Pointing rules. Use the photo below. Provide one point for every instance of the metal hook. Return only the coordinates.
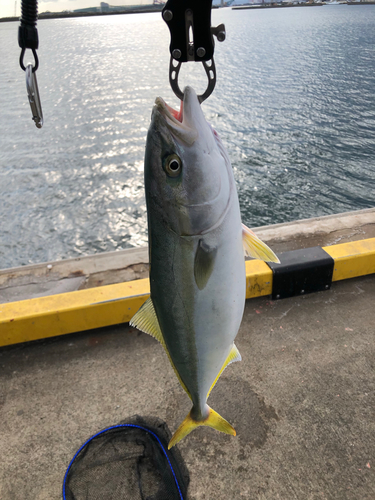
(174, 71)
(33, 95)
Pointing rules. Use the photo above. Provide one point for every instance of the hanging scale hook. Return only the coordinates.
(189, 23)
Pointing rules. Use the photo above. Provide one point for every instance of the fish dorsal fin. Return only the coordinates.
(203, 264)
(254, 247)
(233, 356)
(147, 321)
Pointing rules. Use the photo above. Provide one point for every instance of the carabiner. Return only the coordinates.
(33, 95)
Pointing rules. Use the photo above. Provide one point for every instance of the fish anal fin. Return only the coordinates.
(203, 264)
(147, 321)
(233, 356)
(213, 420)
(254, 247)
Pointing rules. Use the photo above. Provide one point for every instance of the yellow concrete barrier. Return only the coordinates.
(113, 304)
(356, 258)
(71, 312)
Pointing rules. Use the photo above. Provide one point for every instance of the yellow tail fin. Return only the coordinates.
(213, 420)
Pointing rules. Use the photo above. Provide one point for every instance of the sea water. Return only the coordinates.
(294, 105)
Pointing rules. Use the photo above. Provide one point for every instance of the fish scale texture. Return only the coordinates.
(127, 462)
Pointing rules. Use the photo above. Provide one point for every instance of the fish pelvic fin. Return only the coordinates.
(254, 247)
(213, 420)
(233, 356)
(147, 321)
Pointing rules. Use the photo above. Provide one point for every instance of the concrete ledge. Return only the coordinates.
(49, 278)
(319, 231)
(37, 280)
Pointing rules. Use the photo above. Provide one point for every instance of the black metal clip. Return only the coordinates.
(189, 22)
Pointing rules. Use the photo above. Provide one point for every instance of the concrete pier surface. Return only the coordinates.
(302, 400)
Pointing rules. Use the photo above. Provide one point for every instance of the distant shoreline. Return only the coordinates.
(158, 8)
(286, 5)
(270, 6)
(64, 15)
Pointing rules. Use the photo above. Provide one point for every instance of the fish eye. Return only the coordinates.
(173, 166)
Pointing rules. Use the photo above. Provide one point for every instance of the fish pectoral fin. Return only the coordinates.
(203, 264)
(254, 247)
(145, 319)
(213, 420)
(233, 356)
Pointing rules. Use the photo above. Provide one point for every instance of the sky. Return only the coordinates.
(7, 7)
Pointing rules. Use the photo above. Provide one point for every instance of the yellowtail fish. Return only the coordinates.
(196, 250)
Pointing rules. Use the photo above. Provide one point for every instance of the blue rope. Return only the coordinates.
(116, 427)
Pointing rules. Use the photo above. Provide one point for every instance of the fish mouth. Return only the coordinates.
(181, 123)
(168, 112)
